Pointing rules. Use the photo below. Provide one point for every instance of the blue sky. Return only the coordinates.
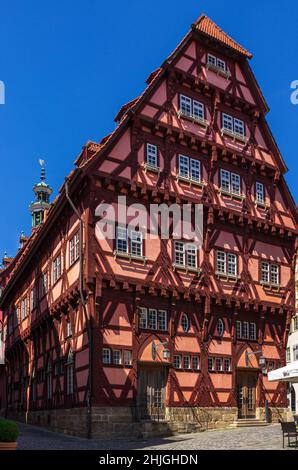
(68, 66)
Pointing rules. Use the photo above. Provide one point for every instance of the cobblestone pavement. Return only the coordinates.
(266, 438)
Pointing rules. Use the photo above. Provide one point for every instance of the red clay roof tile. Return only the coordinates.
(208, 27)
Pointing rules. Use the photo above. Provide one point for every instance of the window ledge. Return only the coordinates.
(270, 286)
(129, 256)
(194, 119)
(228, 277)
(263, 205)
(234, 136)
(187, 269)
(238, 197)
(153, 169)
(224, 73)
(191, 181)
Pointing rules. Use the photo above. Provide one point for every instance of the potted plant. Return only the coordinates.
(9, 432)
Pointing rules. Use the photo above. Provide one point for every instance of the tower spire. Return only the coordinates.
(42, 197)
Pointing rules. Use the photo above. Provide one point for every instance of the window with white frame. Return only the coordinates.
(252, 331)
(127, 358)
(177, 361)
(245, 330)
(189, 168)
(227, 364)
(106, 356)
(269, 273)
(44, 283)
(216, 62)
(68, 329)
(260, 193)
(57, 268)
(192, 108)
(233, 125)
(230, 182)
(210, 364)
(196, 362)
(151, 155)
(24, 308)
(220, 327)
(33, 298)
(238, 329)
(69, 373)
(74, 248)
(218, 364)
(185, 254)
(132, 244)
(226, 263)
(121, 240)
(153, 319)
(136, 243)
(117, 357)
(295, 352)
(186, 362)
(185, 322)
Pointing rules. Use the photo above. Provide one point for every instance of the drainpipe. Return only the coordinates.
(83, 301)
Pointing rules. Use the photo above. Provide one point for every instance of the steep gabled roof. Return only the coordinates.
(209, 28)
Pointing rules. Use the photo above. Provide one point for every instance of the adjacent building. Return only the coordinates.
(292, 350)
(105, 337)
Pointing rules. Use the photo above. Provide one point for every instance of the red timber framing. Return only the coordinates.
(50, 369)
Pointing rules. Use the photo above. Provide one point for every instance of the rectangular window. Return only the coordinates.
(162, 320)
(265, 276)
(74, 248)
(136, 243)
(143, 318)
(186, 362)
(106, 356)
(191, 256)
(221, 64)
(183, 166)
(44, 283)
(227, 364)
(127, 358)
(211, 59)
(260, 196)
(116, 357)
(152, 319)
(234, 125)
(225, 180)
(252, 331)
(274, 275)
(238, 329)
(57, 268)
(235, 184)
(245, 330)
(295, 323)
(185, 105)
(295, 352)
(195, 170)
(68, 329)
(185, 254)
(198, 110)
(179, 253)
(288, 355)
(218, 363)
(151, 155)
(220, 262)
(216, 62)
(230, 182)
(210, 364)
(232, 264)
(192, 108)
(195, 362)
(121, 240)
(177, 361)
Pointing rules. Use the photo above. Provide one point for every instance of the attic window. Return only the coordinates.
(217, 65)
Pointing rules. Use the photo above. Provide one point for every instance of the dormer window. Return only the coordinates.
(217, 65)
(233, 127)
(193, 110)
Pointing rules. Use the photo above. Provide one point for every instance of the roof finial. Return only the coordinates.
(42, 171)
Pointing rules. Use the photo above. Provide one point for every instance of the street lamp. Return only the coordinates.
(166, 351)
(262, 359)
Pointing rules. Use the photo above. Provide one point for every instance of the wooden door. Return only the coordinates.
(151, 392)
(246, 394)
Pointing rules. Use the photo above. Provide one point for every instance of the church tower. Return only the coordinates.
(42, 198)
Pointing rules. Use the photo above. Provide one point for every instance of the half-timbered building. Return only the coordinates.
(106, 337)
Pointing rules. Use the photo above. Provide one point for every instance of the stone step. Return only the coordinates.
(246, 423)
